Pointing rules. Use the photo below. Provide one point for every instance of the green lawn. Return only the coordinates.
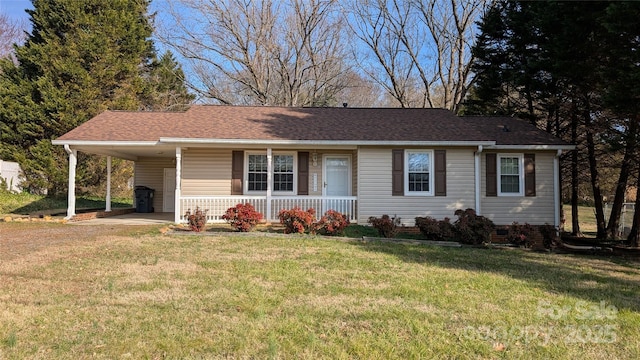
(25, 204)
(147, 295)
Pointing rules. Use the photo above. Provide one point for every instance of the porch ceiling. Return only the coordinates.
(129, 152)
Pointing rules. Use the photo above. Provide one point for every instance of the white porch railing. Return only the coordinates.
(216, 206)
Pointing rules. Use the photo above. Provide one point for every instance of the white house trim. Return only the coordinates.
(530, 147)
(478, 179)
(71, 192)
(177, 211)
(108, 196)
(556, 189)
(168, 140)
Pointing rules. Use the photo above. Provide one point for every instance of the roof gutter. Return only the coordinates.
(102, 143)
(532, 147)
(168, 140)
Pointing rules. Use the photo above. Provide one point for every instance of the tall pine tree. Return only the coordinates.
(81, 58)
(568, 67)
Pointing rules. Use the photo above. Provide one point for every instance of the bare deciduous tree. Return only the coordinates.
(419, 51)
(11, 32)
(261, 52)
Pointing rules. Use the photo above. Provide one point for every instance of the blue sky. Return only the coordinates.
(15, 8)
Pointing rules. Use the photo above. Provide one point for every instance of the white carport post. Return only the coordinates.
(177, 212)
(71, 192)
(108, 199)
(269, 185)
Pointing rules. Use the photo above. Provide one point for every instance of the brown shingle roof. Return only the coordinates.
(315, 124)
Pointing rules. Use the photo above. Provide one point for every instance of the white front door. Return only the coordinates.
(337, 175)
(169, 190)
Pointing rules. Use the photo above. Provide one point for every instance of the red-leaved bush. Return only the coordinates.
(332, 223)
(243, 217)
(387, 226)
(296, 220)
(197, 220)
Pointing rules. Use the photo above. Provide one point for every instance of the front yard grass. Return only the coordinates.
(228, 296)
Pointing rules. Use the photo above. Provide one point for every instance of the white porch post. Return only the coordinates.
(478, 179)
(556, 189)
(269, 177)
(177, 212)
(108, 199)
(71, 191)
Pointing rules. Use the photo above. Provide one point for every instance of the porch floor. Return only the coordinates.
(130, 219)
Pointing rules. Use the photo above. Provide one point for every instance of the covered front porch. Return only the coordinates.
(203, 177)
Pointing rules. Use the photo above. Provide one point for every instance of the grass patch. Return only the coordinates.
(25, 203)
(149, 296)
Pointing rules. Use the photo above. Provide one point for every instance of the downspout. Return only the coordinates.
(71, 191)
(556, 189)
(478, 177)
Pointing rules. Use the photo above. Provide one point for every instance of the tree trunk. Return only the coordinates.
(634, 235)
(575, 225)
(625, 169)
(593, 169)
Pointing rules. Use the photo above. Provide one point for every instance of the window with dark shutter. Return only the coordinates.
(237, 169)
(303, 173)
(397, 172)
(492, 175)
(529, 174)
(440, 169)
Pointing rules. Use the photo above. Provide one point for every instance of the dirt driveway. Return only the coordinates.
(21, 239)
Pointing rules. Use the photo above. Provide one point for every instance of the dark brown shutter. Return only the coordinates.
(529, 174)
(440, 166)
(492, 175)
(237, 169)
(303, 173)
(397, 172)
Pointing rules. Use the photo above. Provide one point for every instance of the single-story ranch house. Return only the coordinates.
(360, 161)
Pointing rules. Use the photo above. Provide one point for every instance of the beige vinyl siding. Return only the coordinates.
(375, 199)
(206, 172)
(535, 210)
(149, 172)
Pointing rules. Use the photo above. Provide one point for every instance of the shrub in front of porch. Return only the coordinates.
(434, 229)
(471, 228)
(196, 219)
(243, 217)
(332, 223)
(387, 226)
(296, 220)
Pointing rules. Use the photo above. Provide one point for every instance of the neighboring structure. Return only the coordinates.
(10, 175)
(360, 161)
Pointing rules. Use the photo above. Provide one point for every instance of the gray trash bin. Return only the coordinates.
(144, 199)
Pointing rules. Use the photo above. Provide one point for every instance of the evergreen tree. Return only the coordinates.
(166, 88)
(81, 58)
(558, 64)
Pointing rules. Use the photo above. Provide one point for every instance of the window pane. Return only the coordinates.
(418, 171)
(283, 173)
(283, 163)
(509, 166)
(257, 175)
(419, 162)
(510, 184)
(510, 174)
(418, 181)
